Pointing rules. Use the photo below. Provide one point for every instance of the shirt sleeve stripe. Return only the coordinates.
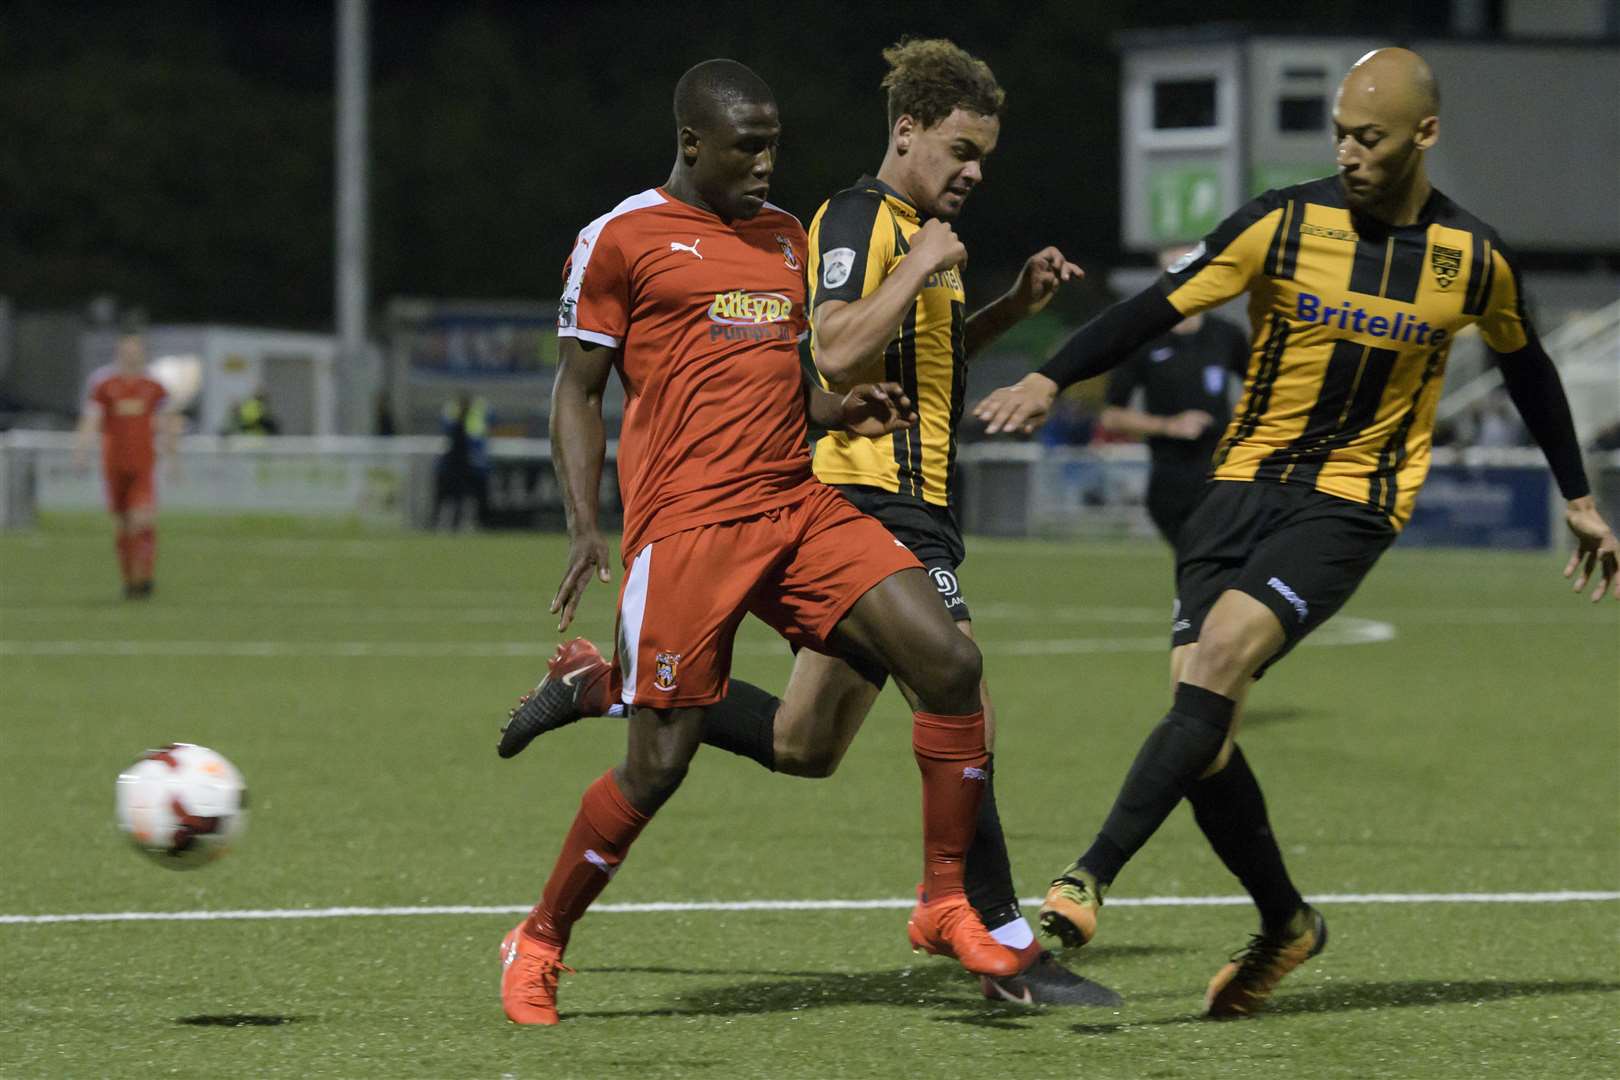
(589, 335)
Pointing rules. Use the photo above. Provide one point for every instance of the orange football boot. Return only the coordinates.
(1069, 912)
(529, 970)
(1242, 986)
(950, 927)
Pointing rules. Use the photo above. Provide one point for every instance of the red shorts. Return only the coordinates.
(798, 568)
(128, 488)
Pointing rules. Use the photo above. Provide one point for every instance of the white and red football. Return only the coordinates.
(183, 805)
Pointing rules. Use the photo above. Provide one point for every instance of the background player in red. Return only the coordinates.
(125, 406)
(695, 294)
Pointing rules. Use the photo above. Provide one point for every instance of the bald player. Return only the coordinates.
(1357, 284)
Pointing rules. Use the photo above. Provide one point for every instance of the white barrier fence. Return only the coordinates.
(1481, 497)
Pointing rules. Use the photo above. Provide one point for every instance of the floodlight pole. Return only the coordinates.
(352, 256)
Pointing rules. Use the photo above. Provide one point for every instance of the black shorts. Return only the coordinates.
(929, 531)
(1173, 492)
(1297, 551)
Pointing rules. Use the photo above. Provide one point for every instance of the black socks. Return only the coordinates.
(744, 722)
(1177, 752)
(1230, 809)
(986, 870)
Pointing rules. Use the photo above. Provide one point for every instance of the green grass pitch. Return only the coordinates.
(1455, 733)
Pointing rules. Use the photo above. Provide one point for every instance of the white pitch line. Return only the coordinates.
(1344, 631)
(659, 907)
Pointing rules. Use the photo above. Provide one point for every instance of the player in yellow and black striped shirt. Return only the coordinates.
(1357, 285)
(858, 241)
(886, 295)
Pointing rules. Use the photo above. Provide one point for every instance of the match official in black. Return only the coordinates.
(1184, 379)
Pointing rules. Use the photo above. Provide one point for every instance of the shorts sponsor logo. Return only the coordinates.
(790, 258)
(1446, 263)
(944, 581)
(1177, 623)
(1301, 608)
(1214, 380)
(836, 266)
(665, 667)
(1161, 354)
(565, 314)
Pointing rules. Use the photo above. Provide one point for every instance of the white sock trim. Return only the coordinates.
(1017, 934)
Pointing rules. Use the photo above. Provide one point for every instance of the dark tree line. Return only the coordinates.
(179, 153)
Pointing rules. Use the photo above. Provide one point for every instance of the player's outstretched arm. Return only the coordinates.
(1100, 345)
(870, 410)
(1538, 394)
(1021, 407)
(1038, 281)
(578, 447)
(1596, 550)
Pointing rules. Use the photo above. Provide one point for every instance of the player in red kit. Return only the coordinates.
(125, 405)
(695, 294)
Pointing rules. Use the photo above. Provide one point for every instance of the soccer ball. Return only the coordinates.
(183, 805)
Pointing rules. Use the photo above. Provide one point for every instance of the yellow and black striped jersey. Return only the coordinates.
(856, 239)
(1352, 322)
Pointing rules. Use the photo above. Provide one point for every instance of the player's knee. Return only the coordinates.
(809, 762)
(953, 673)
(1228, 650)
(653, 778)
(651, 783)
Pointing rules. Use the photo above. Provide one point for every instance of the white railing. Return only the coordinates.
(1586, 349)
(1010, 488)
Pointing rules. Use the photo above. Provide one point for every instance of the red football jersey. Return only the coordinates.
(707, 317)
(128, 405)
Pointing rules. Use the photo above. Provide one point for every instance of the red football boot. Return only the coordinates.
(529, 970)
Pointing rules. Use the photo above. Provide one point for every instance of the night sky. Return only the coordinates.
(179, 155)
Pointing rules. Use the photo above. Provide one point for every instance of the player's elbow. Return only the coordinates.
(837, 366)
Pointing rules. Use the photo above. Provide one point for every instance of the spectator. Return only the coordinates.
(463, 469)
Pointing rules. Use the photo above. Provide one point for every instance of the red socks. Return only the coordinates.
(143, 553)
(126, 556)
(950, 752)
(137, 554)
(597, 843)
